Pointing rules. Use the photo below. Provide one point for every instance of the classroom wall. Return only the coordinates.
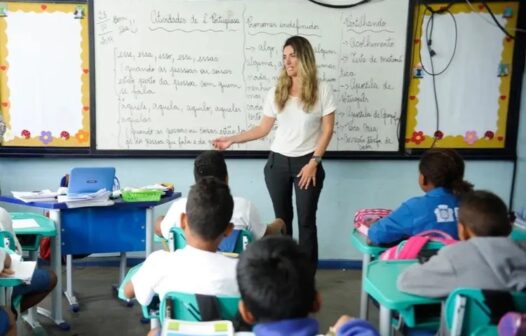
(519, 200)
(349, 185)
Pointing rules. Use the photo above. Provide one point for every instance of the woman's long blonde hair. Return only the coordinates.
(307, 73)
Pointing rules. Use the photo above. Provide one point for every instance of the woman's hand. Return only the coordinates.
(307, 175)
(222, 143)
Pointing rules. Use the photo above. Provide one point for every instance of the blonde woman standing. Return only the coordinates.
(304, 108)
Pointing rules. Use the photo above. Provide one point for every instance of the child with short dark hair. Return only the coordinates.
(245, 215)
(442, 179)
(277, 287)
(486, 257)
(196, 268)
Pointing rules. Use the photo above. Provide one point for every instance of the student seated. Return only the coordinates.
(441, 178)
(245, 215)
(42, 282)
(7, 318)
(278, 291)
(196, 268)
(485, 258)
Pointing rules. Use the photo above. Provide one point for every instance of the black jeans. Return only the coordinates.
(280, 175)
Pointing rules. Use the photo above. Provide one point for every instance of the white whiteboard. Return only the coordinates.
(173, 75)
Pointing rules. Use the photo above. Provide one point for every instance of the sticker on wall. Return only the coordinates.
(418, 72)
(504, 70)
(507, 13)
(78, 13)
(3, 9)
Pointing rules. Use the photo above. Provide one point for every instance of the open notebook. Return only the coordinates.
(23, 270)
(187, 328)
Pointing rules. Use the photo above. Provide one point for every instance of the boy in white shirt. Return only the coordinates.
(196, 268)
(245, 215)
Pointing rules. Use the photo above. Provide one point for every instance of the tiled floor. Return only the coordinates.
(101, 313)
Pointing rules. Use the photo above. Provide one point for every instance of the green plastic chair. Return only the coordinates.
(7, 241)
(149, 312)
(466, 310)
(178, 239)
(183, 306)
(486, 331)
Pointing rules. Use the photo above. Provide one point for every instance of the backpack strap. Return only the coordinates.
(412, 247)
(436, 234)
(208, 307)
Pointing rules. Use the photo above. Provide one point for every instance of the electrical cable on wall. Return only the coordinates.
(497, 21)
(429, 40)
(491, 22)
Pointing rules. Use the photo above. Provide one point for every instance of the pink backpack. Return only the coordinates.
(364, 218)
(410, 248)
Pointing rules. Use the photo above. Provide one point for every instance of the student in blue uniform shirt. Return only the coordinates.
(442, 179)
(277, 287)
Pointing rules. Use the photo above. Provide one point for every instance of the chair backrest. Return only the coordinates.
(178, 239)
(7, 240)
(468, 309)
(184, 306)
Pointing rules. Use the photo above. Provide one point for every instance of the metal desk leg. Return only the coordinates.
(122, 268)
(30, 316)
(385, 322)
(56, 265)
(149, 230)
(364, 298)
(73, 303)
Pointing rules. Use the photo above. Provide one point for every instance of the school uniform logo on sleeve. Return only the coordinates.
(444, 214)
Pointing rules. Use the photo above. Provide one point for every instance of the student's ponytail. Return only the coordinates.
(444, 167)
(460, 187)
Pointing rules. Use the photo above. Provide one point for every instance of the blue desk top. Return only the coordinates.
(119, 203)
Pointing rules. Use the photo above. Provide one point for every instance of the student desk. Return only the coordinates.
(46, 228)
(380, 283)
(122, 227)
(359, 241)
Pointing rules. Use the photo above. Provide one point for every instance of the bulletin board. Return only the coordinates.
(466, 76)
(45, 75)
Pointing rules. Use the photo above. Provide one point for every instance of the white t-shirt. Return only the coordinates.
(245, 216)
(298, 131)
(188, 270)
